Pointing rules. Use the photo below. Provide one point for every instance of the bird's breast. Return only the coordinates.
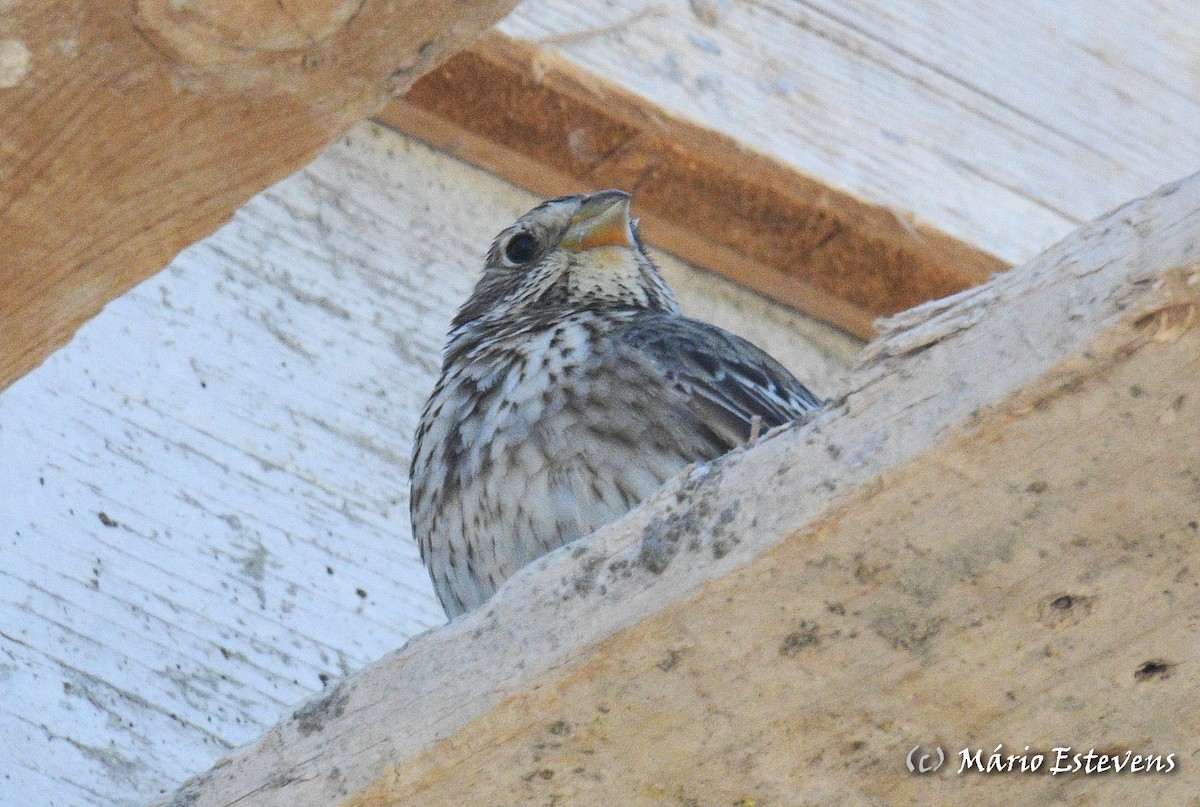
(526, 447)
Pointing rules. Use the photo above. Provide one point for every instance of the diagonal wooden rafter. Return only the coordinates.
(965, 550)
(130, 130)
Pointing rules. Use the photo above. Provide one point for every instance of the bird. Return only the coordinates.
(571, 388)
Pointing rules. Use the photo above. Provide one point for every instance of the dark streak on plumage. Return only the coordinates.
(598, 347)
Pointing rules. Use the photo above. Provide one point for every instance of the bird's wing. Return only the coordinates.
(727, 381)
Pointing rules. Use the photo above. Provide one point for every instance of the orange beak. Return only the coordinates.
(602, 221)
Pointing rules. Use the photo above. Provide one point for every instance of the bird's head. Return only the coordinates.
(568, 254)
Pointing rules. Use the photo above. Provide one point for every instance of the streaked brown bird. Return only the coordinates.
(571, 389)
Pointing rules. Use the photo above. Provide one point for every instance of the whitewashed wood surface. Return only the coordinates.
(1022, 441)
(203, 498)
(1003, 124)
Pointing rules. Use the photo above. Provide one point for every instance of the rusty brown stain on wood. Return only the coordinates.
(135, 129)
(893, 622)
(534, 120)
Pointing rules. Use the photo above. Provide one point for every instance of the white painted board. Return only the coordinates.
(203, 498)
(1003, 124)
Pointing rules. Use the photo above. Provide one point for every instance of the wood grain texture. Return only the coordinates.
(130, 130)
(540, 122)
(849, 158)
(203, 498)
(1004, 126)
(989, 538)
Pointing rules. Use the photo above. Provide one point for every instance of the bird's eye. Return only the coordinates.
(521, 248)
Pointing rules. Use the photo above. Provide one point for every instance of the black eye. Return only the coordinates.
(520, 248)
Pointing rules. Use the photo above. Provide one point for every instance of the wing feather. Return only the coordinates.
(727, 381)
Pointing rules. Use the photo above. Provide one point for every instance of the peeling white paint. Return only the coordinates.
(204, 496)
(14, 62)
(1001, 124)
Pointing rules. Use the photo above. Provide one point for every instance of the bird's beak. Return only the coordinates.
(602, 221)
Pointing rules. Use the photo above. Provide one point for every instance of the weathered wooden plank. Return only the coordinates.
(1002, 125)
(861, 130)
(243, 421)
(542, 123)
(127, 131)
(990, 538)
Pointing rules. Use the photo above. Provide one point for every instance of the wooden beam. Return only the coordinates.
(251, 468)
(849, 158)
(989, 539)
(546, 124)
(1004, 126)
(128, 131)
